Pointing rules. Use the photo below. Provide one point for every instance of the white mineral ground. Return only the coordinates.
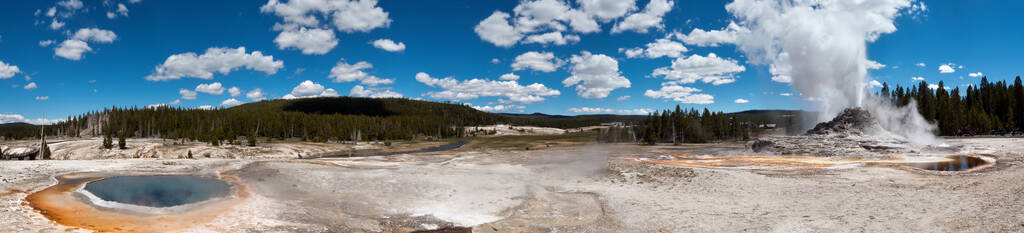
(589, 188)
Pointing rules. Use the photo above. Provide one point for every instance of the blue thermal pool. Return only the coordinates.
(158, 190)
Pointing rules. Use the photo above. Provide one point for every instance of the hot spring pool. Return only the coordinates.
(158, 191)
(955, 163)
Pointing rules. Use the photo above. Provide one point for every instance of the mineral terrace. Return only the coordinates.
(569, 187)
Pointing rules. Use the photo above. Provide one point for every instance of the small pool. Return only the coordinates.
(955, 163)
(159, 190)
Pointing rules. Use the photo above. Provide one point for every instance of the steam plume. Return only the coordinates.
(821, 46)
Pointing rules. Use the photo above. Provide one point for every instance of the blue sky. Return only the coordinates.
(450, 39)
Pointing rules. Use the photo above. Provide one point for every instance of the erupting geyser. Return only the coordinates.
(820, 47)
(853, 133)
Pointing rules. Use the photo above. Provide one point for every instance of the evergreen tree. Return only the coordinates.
(121, 140)
(691, 127)
(986, 108)
(1018, 97)
(108, 142)
(46, 150)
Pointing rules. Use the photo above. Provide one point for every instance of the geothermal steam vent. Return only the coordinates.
(853, 133)
(855, 121)
(158, 191)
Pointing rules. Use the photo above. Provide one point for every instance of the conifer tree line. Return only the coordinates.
(314, 119)
(986, 108)
(691, 126)
(216, 125)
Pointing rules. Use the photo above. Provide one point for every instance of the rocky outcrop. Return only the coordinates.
(853, 133)
(856, 121)
(20, 153)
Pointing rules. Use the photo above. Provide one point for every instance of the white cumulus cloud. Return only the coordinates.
(500, 108)
(234, 91)
(607, 9)
(308, 89)
(71, 4)
(708, 69)
(975, 74)
(12, 118)
(221, 60)
(213, 88)
(650, 17)
(497, 30)
(122, 9)
(741, 101)
(511, 91)
(72, 49)
(590, 110)
(687, 95)
(544, 62)
(94, 35)
(30, 86)
(389, 45)
(874, 83)
(344, 72)
(360, 91)
(555, 38)
(874, 65)
(659, 48)
(556, 21)
(946, 68)
(638, 111)
(8, 71)
(595, 75)
(188, 94)
(308, 40)
(230, 102)
(302, 29)
(509, 76)
(256, 94)
(56, 24)
(712, 38)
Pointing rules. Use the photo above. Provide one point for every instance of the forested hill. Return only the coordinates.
(560, 121)
(315, 119)
(363, 106)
